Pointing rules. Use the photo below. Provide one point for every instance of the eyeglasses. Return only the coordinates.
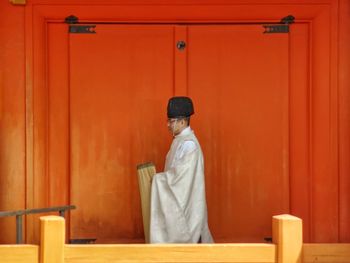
(171, 120)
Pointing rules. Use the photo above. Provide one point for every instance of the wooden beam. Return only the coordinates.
(18, 2)
(19, 253)
(287, 232)
(52, 239)
(326, 253)
(171, 253)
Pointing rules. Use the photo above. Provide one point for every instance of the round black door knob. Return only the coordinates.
(181, 45)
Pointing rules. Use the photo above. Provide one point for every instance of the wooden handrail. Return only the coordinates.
(37, 210)
(287, 247)
(20, 213)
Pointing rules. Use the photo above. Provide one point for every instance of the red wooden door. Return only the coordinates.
(238, 78)
(115, 110)
(120, 80)
(316, 169)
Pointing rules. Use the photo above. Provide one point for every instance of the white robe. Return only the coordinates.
(178, 204)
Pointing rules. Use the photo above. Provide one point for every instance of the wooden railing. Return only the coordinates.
(326, 253)
(19, 213)
(287, 247)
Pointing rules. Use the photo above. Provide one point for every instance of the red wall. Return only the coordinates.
(12, 115)
(344, 120)
(16, 145)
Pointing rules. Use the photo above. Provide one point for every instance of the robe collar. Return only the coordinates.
(184, 132)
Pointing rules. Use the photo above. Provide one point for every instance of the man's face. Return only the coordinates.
(175, 126)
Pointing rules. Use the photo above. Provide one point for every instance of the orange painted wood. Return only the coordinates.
(58, 111)
(29, 121)
(120, 81)
(242, 123)
(206, 14)
(319, 130)
(180, 63)
(318, 15)
(58, 119)
(12, 118)
(344, 122)
(37, 129)
(324, 179)
(299, 103)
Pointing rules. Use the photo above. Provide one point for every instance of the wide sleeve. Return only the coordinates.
(176, 201)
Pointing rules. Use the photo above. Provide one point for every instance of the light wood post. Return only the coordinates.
(18, 2)
(145, 173)
(288, 237)
(52, 239)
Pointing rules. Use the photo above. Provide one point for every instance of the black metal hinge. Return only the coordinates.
(82, 29)
(71, 19)
(283, 27)
(77, 27)
(74, 28)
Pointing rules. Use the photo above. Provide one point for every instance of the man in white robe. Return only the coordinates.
(178, 203)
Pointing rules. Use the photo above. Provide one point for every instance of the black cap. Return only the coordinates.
(180, 107)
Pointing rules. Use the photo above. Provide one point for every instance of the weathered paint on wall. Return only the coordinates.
(22, 161)
(12, 115)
